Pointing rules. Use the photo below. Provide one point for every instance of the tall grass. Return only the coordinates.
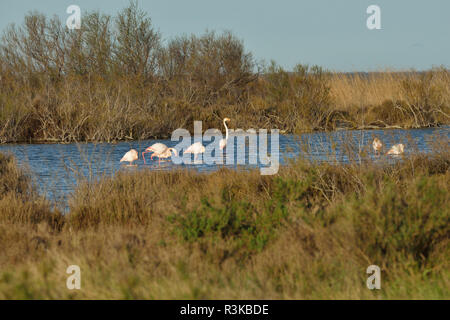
(392, 99)
(104, 83)
(19, 200)
(309, 232)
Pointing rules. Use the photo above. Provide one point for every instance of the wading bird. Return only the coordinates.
(377, 145)
(195, 148)
(159, 150)
(396, 149)
(223, 142)
(130, 156)
(167, 154)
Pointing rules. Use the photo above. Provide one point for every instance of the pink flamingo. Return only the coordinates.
(195, 148)
(223, 142)
(159, 150)
(396, 149)
(130, 156)
(377, 145)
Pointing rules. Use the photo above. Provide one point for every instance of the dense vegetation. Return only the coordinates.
(115, 79)
(309, 232)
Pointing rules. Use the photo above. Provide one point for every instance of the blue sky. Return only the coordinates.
(330, 33)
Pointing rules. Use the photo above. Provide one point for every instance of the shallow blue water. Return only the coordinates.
(56, 167)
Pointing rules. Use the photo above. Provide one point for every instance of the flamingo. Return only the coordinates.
(167, 153)
(377, 145)
(159, 150)
(396, 149)
(195, 148)
(130, 156)
(223, 142)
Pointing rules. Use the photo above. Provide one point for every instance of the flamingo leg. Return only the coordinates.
(146, 151)
(131, 164)
(143, 156)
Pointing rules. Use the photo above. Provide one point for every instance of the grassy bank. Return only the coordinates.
(105, 83)
(309, 232)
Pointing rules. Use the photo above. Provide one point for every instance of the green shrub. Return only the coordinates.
(234, 221)
(399, 223)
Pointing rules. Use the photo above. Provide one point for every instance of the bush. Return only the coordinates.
(302, 96)
(237, 222)
(399, 223)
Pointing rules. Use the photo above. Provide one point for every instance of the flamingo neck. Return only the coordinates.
(226, 129)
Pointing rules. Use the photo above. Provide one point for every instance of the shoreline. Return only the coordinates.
(282, 132)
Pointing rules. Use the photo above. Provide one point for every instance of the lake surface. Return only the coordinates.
(56, 167)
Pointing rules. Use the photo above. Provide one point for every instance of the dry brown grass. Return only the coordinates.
(308, 233)
(393, 99)
(363, 90)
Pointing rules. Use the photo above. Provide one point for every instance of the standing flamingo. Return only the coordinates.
(223, 142)
(167, 153)
(159, 150)
(130, 156)
(195, 148)
(377, 145)
(396, 149)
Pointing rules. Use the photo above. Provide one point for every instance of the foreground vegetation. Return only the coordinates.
(115, 79)
(309, 232)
